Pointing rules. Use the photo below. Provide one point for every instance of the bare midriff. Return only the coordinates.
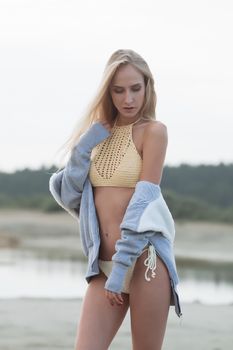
(111, 203)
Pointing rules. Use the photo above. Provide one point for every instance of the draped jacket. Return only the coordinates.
(147, 218)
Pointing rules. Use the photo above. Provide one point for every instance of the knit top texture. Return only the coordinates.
(116, 161)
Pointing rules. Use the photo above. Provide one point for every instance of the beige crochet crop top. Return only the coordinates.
(116, 161)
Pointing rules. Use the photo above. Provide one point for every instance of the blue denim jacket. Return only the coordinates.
(147, 218)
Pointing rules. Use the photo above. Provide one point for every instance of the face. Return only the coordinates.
(128, 91)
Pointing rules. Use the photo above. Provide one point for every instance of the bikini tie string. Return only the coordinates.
(150, 262)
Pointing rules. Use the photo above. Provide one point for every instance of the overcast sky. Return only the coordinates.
(52, 55)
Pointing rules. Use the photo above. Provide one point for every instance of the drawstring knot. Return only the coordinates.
(150, 262)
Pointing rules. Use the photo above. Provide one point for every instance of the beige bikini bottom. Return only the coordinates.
(150, 262)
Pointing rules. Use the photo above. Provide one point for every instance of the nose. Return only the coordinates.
(128, 97)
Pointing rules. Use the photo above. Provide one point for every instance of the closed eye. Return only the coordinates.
(136, 88)
(120, 90)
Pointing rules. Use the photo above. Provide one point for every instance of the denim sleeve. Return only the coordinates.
(148, 211)
(67, 185)
(133, 239)
(145, 193)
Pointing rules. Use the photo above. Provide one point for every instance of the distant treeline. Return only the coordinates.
(201, 192)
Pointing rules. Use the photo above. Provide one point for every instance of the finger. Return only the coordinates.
(108, 294)
(114, 298)
(117, 299)
(120, 298)
(109, 297)
(106, 124)
(111, 301)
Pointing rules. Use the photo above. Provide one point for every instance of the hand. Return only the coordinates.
(106, 124)
(114, 298)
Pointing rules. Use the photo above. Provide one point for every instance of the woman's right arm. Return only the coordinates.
(66, 186)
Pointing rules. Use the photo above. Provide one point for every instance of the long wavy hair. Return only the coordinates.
(102, 106)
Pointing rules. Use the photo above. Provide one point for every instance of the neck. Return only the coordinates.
(121, 121)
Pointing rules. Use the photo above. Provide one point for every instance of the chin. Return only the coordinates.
(129, 115)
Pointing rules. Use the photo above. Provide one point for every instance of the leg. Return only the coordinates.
(149, 305)
(99, 320)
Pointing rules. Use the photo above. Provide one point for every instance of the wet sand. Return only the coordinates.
(38, 324)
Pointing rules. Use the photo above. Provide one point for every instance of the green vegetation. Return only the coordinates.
(27, 189)
(202, 192)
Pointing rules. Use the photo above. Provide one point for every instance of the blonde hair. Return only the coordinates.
(102, 106)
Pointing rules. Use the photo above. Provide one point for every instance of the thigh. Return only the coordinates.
(99, 320)
(149, 305)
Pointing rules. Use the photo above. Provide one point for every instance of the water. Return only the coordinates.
(28, 277)
(207, 285)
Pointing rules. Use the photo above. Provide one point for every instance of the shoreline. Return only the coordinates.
(56, 236)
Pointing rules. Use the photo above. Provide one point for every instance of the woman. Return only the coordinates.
(111, 184)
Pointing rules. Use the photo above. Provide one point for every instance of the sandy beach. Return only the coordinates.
(38, 324)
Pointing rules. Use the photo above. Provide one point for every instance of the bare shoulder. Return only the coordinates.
(155, 129)
(150, 135)
(153, 151)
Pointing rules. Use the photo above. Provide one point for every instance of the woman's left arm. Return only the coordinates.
(146, 212)
(155, 142)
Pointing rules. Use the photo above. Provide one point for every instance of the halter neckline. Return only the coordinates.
(124, 126)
